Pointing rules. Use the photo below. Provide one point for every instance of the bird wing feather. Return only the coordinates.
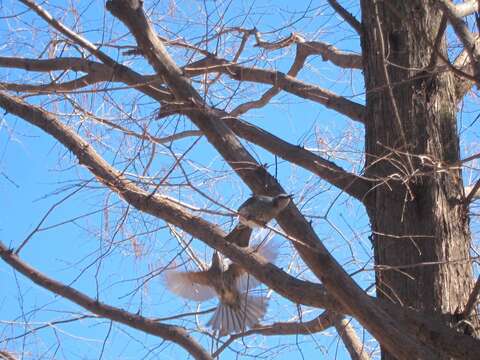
(245, 281)
(189, 285)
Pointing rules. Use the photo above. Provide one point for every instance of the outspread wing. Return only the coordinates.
(246, 282)
(268, 250)
(189, 285)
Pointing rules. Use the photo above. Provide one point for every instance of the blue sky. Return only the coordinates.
(90, 243)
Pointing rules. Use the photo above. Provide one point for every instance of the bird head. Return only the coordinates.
(281, 201)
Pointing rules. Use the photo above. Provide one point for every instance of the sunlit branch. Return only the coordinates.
(346, 181)
(466, 8)
(320, 323)
(129, 76)
(54, 86)
(349, 18)
(173, 333)
(56, 64)
(304, 49)
(355, 347)
(282, 81)
(465, 36)
(351, 184)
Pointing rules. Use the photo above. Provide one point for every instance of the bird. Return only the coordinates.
(256, 212)
(238, 309)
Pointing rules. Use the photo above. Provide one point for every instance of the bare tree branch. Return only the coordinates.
(99, 72)
(349, 18)
(354, 345)
(129, 76)
(304, 49)
(328, 52)
(465, 36)
(96, 72)
(473, 192)
(466, 8)
(172, 333)
(353, 185)
(282, 81)
(320, 323)
(297, 65)
(293, 38)
(348, 182)
(62, 63)
(54, 87)
(144, 135)
(5, 355)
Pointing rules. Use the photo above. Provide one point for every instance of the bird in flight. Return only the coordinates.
(238, 308)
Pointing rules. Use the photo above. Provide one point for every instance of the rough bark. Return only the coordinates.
(420, 228)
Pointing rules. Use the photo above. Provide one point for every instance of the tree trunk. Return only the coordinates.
(421, 234)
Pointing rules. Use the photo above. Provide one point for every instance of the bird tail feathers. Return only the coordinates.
(228, 319)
